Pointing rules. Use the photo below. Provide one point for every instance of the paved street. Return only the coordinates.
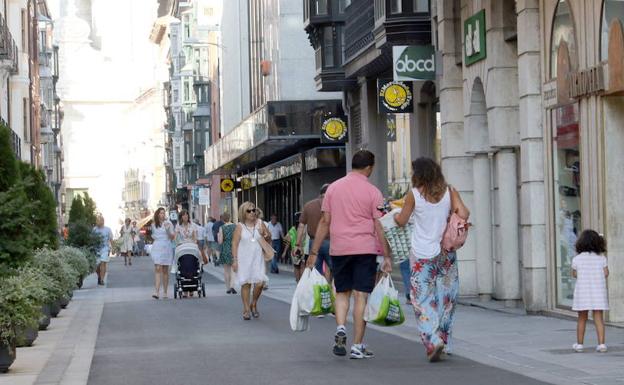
(205, 341)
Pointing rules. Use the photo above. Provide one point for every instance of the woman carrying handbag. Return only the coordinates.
(433, 206)
(248, 257)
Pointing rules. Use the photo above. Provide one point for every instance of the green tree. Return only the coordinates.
(43, 206)
(90, 209)
(9, 171)
(17, 232)
(77, 210)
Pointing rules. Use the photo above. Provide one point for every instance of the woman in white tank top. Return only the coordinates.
(434, 278)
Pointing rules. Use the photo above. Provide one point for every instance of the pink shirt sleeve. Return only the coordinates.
(376, 202)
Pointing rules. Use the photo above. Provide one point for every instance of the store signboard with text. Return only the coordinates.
(474, 38)
(413, 62)
(395, 96)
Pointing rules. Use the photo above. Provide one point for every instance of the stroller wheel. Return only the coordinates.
(203, 290)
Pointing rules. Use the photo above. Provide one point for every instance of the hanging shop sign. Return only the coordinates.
(395, 96)
(245, 183)
(173, 216)
(391, 127)
(413, 62)
(227, 185)
(334, 129)
(474, 38)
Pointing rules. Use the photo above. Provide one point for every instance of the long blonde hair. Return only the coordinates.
(242, 210)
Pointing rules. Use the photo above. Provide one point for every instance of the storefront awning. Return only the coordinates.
(274, 132)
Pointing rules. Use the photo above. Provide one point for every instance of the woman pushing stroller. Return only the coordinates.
(186, 234)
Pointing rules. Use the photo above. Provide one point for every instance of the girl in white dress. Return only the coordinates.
(161, 252)
(590, 269)
(247, 257)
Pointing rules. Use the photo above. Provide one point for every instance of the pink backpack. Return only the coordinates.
(455, 233)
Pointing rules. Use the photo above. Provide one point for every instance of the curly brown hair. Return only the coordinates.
(427, 176)
(591, 242)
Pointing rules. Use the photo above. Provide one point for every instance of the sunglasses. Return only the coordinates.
(251, 211)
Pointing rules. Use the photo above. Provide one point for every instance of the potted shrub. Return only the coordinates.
(33, 280)
(62, 274)
(77, 259)
(18, 311)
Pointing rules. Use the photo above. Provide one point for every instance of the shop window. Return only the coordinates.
(562, 30)
(567, 197)
(611, 10)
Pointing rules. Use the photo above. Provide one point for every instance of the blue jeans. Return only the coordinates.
(323, 256)
(406, 272)
(277, 246)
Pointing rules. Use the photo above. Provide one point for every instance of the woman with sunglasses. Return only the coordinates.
(247, 258)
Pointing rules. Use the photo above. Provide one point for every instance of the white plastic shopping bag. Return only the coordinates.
(317, 296)
(298, 317)
(384, 307)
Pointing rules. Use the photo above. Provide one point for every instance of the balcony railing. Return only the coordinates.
(16, 142)
(8, 48)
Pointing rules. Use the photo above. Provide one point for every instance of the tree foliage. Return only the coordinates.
(17, 233)
(90, 209)
(43, 207)
(9, 171)
(77, 210)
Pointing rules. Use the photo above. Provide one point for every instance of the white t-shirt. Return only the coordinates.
(200, 231)
(276, 230)
(208, 231)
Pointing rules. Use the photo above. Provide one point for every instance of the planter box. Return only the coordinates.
(7, 356)
(63, 302)
(26, 337)
(55, 308)
(46, 314)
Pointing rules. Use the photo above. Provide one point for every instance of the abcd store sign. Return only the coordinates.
(413, 62)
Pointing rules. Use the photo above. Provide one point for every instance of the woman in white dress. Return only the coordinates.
(247, 257)
(127, 234)
(186, 232)
(161, 252)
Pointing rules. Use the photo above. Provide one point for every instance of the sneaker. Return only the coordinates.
(577, 348)
(359, 352)
(602, 348)
(340, 345)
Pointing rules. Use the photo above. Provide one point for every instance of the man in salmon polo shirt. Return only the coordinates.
(351, 216)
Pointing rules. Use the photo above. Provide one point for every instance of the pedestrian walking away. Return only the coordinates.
(215, 231)
(162, 253)
(127, 234)
(210, 239)
(309, 220)
(225, 236)
(351, 217)
(201, 240)
(103, 255)
(590, 269)
(434, 277)
(247, 257)
(277, 237)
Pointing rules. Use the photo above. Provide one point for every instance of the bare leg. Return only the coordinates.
(245, 294)
(342, 307)
(580, 326)
(359, 325)
(227, 274)
(103, 271)
(600, 326)
(165, 278)
(257, 292)
(297, 269)
(130, 258)
(156, 279)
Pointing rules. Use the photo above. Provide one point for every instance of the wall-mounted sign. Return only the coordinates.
(334, 130)
(586, 82)
(395, 96)
(227, 185)
(413, 62)
(245, 183)
(204, 196)
(474, 38)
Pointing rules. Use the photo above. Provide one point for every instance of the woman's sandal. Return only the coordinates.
(254, 312)
(155, 296)
(246, 316)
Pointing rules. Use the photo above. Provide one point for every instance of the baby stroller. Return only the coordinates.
(188, 271)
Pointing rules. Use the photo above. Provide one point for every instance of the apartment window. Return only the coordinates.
(26, 119)
(328, 46)
(176, 96)
(320, 7)
(396, 6)
(341, 40)
(421, 6)
(187, 26)
(342, 5)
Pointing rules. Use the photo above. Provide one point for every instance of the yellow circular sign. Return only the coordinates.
(334, 129)
(227, 185)
(246, 183)
(395, 95)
